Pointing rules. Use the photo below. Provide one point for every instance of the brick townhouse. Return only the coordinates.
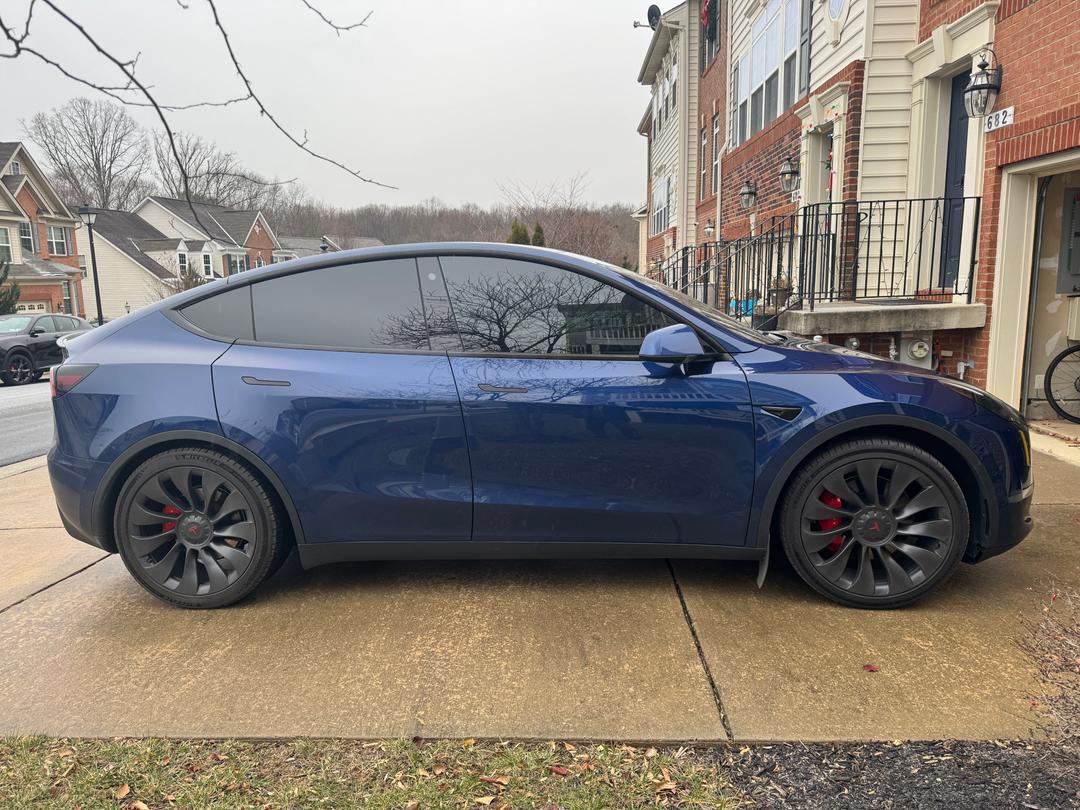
(862, 197)
(37, 237)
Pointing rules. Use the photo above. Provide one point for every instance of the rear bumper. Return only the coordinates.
(74, 484)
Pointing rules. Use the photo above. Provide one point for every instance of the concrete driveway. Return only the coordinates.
(638, 650)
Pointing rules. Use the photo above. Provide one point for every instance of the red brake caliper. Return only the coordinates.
(828, 524)
(171, 511)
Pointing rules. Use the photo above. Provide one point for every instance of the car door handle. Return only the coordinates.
(256, 381)
(502, 389)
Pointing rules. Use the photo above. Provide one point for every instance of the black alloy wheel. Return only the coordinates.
(197, 529)
(19, 370)
(875, 523)
(1063, 384)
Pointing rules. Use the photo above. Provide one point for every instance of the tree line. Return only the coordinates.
(97, 154)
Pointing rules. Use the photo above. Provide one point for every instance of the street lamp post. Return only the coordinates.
(89, 217)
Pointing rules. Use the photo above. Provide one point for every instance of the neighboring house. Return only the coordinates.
(313, 245)
(37, 236)
(136, 263)
(222, 241)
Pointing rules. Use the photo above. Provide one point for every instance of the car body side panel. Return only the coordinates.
(607, 450)
(370, 445)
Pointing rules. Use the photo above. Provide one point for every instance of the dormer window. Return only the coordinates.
(15, 167)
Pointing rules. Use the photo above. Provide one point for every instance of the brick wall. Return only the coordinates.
(712, 100)
(259, 245)
(758, 160)
(656, 248)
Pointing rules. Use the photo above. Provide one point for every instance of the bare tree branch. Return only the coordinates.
(337, 28)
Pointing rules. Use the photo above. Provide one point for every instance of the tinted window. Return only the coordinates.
(65, 324)
(227, 314)
(46, 324)
(502, 305)
(369, 305)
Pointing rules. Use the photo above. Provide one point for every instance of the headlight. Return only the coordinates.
(989, 402)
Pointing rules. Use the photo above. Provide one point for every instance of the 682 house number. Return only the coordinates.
(999, 119)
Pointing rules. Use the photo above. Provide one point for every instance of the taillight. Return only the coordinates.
(66, 377)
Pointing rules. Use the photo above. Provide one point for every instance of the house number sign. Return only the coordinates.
(999, 119)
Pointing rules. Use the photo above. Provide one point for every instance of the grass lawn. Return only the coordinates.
(156, 773)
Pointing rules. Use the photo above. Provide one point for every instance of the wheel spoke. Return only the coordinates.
(211, 482)
(153, 538)
(898, 578)
(863, 583)
(927, 560)
(238, 531)
(938, 529)
(156, 490)
(929, 498)
(868, 473)
(216, 574)
(838, 486)
(815, 540)
(899, 481)
(833, 567)
(236, 558)
(189, 582)
(162, 569)
(235, 502)
(816, 510)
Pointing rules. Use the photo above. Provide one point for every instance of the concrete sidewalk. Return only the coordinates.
(559, 649)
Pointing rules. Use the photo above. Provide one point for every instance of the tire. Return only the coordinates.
(1063, 391)
(195, 549)
(877, 549)
(19, 369)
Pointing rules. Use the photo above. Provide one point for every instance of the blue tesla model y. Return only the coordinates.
(463, 400)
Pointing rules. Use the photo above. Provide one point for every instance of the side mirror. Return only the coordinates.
(672, 344)
(35, 332)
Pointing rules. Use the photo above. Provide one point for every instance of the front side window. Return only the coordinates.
(5, 245)
(26, 236)
(58, 240)
(505, 306)
(368, 305)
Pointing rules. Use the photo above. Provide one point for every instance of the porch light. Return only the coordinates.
(748, 195)
(710, 229)
(982, 91)
(789, 176)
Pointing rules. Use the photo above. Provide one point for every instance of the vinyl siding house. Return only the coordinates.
(37, 236)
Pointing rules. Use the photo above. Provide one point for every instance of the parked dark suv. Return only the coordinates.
(28, 344)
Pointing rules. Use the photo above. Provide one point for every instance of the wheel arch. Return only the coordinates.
(950, 450)
(119, 470)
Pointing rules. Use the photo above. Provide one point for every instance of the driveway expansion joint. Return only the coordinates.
(29, 596)
(724, 721)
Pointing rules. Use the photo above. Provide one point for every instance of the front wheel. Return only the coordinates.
(874, 523)
(198, 529)
(19, 370)
(1063, 384)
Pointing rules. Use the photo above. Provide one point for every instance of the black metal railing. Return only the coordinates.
(917, 250)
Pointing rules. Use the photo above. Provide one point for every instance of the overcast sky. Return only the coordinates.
(442, 98)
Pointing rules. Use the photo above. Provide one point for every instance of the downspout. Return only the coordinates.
(1036, 251)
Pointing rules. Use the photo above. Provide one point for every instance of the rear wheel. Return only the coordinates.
(874, 523)
(19, 370)
(198, 529)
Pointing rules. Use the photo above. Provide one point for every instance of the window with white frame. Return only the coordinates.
(704, 162)
(5, 245)
(82, 264)
(661, 201)
(15, 167)
(259, 260)
(58, 240)
(710, 33)
(716, 153)
(26, 236)
(764, 77)
(207, 265)
(181, 263)
(674, 85)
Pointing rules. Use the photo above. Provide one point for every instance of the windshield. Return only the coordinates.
(11, 324)
(710, 314)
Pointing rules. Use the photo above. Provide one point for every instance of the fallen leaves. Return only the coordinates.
(559, 770)
(871, 668)
(122, 792)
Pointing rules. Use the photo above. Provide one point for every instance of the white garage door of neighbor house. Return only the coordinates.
(33, 306)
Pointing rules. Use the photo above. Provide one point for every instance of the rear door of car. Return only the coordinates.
(43, 344)
(572, 437)
(334, 384)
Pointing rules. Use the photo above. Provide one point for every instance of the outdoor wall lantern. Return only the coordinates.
(710, 229)
(789, 176)
(982, 91)
(747, 195)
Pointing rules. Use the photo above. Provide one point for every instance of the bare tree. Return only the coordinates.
(184, 280)
(213, 175)
(96, 152)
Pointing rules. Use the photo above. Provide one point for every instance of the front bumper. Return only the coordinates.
(1014, 523)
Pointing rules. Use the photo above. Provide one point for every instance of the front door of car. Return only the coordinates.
(336, 388)
(42, 342)
(571, 436)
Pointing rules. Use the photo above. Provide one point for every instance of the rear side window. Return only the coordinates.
(520, 307)
(227, 314)
(368, 305)
(46, 324)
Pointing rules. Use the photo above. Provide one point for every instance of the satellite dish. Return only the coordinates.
(653, 15)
